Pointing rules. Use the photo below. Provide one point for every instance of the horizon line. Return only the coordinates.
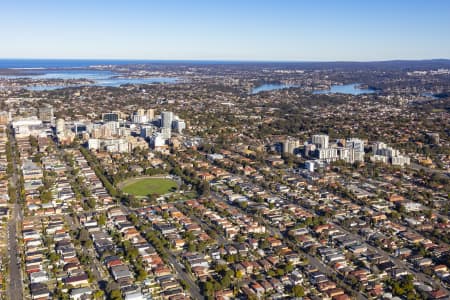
(230, 60)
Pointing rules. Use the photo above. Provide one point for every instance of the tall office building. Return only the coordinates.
(60, 124)
(79, 128)
(141, 112)
(157, 140)
(321, 140)
(290, 144)
(309, 165)
(179, 125)
(433, 138)
(356, 144)
(327, 154)
(137, 118)
(150, 114)
(110, 117)
(166, 119)
(46, 114)
(113, 126)
(381, 152)
(4, 117)
(166, 132)
(378, 146)
(147, 131)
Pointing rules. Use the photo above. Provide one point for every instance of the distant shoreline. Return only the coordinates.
(35, 65)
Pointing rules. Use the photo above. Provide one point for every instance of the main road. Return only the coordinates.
(14, 285)
(187, 278)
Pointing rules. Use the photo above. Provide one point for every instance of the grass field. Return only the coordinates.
(146, 186)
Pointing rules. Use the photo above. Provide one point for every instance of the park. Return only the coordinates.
(145, 186)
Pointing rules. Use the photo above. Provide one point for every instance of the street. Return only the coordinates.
(193, 287)
(15, 282)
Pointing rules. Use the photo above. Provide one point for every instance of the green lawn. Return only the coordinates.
(146, 186)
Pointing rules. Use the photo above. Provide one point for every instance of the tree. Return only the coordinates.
(91, 203)
(192, 247)
(115, 295)
(133, 201)
(208, 288)
(89, 244)
(12, 193)
(243, 204)
(298, 291)
(203, 188)
(280, 272)
(226, 281)
(53, 257)
(46, 196)
(288, 267)
(98, 295)
(142, 274)
(101, 220)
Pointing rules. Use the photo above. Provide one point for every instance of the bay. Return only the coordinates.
(351, 89)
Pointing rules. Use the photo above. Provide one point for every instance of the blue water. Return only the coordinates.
(74, 70)
(113, 82)
(271, 87)
(351, 89)
(60, 63)
(83, 63)
(429, 95)
(65, 74)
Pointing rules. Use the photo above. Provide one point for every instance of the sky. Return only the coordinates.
(258, 30)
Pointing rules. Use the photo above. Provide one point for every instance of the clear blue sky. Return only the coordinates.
(226, 29)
